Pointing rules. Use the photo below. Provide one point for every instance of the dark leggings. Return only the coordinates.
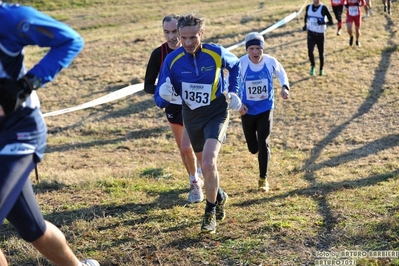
(257, 129)
(313, 40)
(18, 202)
(338, 14)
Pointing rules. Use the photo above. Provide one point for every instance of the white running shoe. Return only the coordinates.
(196, 194)
(90, 262)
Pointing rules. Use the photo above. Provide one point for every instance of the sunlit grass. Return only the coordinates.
(113, 181)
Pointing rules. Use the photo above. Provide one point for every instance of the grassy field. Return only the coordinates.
(113, 181)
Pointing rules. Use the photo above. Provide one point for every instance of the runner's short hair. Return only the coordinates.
(191, 19)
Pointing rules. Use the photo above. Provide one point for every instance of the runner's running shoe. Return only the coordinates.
(311, 72)
(263, 184)
(209, 223)
(195, 195)
(220, 212)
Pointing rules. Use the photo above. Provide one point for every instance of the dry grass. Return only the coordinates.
(112, 179)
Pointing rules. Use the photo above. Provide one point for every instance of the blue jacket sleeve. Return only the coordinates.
(159, 101)
(232, 64)
(27, 26)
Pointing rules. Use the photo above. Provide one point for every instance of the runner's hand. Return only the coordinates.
(243, 110)
(285, 92)
(12, 94)
(234, 101)
(166, 90)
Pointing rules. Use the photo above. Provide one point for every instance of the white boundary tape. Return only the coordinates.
(273, 27)
(137, 87)
(105, 99)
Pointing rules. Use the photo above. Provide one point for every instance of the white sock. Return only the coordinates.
(193, 178)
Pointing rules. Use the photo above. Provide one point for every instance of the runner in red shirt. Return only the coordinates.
(353, 15)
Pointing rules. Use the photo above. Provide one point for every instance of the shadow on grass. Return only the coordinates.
(46, 187)
(318, 191)
(326, 236)
(370, 148)
(134, 134)
(164, 201)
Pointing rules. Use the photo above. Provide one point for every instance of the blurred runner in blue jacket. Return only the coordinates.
(22, 128)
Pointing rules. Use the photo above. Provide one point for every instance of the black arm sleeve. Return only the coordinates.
(326, 12)
(305, 19)
(153, 68)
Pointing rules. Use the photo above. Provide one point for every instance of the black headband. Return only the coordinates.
(254, 42)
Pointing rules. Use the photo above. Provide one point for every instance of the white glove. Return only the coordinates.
(234, 101)
(166, 90)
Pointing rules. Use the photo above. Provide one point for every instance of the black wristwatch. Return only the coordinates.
(34, 81)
